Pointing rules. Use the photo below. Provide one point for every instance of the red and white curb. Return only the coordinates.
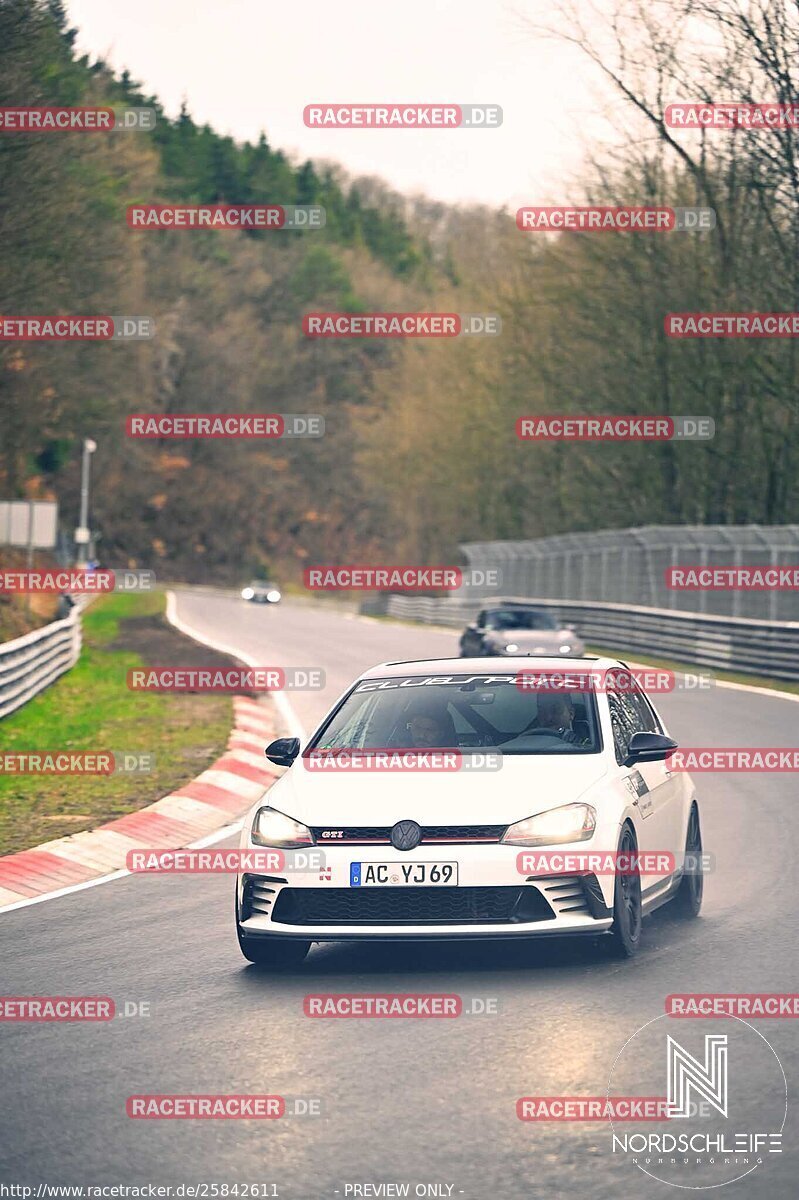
(199, 812)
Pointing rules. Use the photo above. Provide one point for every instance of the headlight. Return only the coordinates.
(565, 649)
(273, 596)
(247, 593)
(273, 828)
(569, 823)
(511, 647)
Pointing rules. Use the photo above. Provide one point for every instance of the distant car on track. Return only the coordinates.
(261, 592)
(418, 854)
(514, 628)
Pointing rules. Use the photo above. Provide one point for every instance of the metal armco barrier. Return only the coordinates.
(32, 662)
(766, 648)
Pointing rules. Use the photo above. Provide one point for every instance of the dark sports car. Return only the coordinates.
(511, 628)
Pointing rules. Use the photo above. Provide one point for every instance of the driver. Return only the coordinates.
(430, 726)
(556, 712)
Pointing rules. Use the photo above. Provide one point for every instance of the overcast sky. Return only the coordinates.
(251, 65)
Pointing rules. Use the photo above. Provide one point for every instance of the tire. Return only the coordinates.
(687, 901)
(272, 952)
(625, 932)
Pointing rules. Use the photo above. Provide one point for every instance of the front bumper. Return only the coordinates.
(492, 900)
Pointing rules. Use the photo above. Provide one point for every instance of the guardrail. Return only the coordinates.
(766, 648)
(628, 566)
(32, 662)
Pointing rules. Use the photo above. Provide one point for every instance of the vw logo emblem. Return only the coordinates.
(406, 835)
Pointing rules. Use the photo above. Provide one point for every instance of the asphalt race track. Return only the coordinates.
(429, 1101)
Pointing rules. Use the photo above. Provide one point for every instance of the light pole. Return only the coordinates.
(82, 533)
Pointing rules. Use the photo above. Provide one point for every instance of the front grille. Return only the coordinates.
(462, 833)
(367, 835)
(411, 906)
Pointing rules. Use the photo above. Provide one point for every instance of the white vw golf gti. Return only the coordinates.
(439, 802)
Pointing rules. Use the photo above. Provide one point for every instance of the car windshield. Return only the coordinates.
(465, 711)
(519, 618)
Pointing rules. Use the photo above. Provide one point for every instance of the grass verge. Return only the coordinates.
(90, 708)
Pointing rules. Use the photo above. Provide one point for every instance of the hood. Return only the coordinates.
(523, 786)
(533, 641)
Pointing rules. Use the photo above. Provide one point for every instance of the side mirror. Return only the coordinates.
(283, 751)
(570, 628)
(649, 747)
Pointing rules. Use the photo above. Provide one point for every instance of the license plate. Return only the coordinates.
(426, 874)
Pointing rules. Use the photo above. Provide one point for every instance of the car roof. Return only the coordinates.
(492, 665)
(514, 604)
